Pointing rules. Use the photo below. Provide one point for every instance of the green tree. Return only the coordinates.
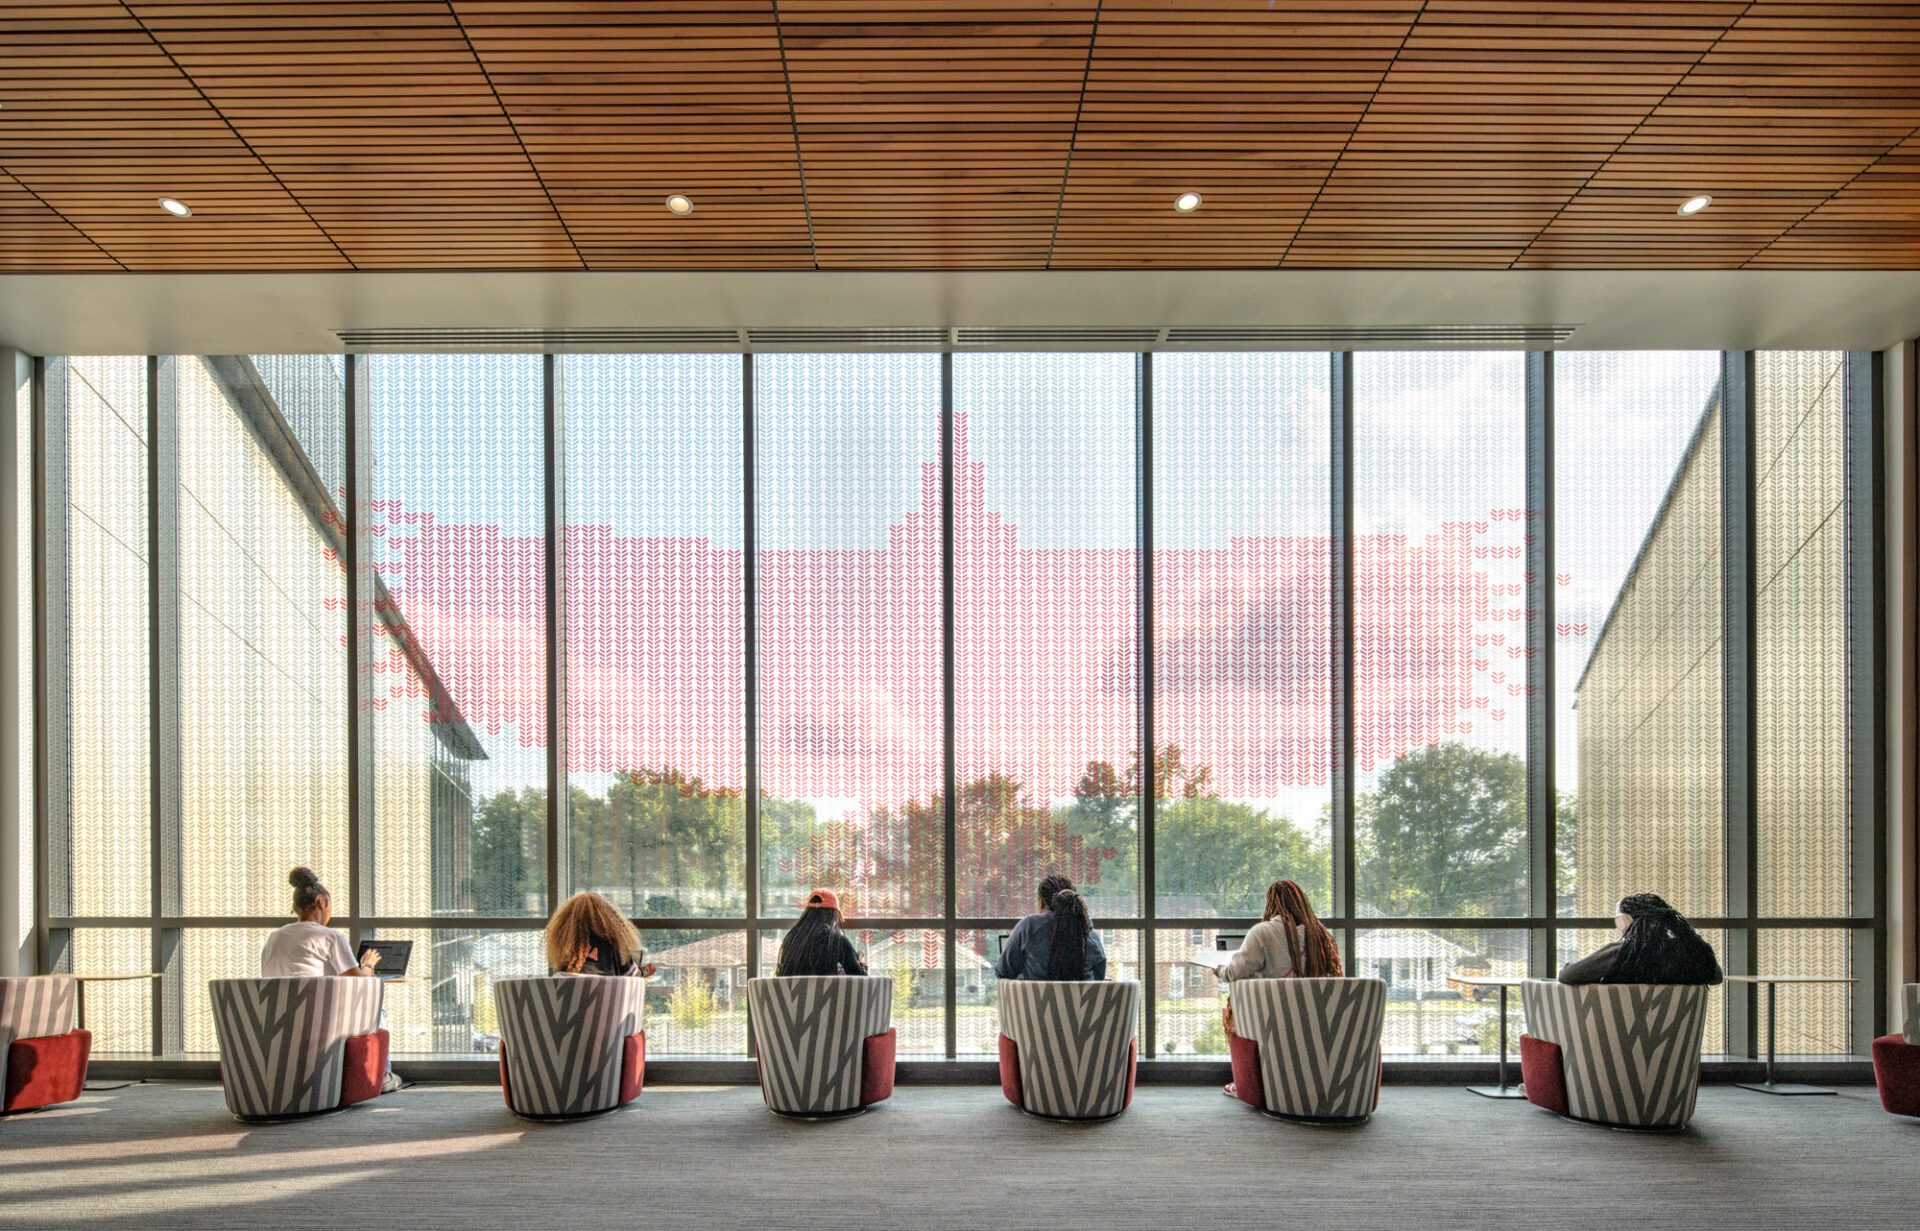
(1227, 853)
(1445, 833)
(500, 867)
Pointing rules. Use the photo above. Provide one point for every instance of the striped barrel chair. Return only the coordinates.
(571, 1045)
(43, 1058)
(1067, 1050)
(1626, 1055)
(1896, 1060)
(825, 1043)
(1309, 1049)
(298, 1046)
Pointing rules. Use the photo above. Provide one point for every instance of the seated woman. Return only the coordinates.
(1656, 945)
(1289, 941)
(587, 936)
(815, 945)
(307, 946)
(1058, 942)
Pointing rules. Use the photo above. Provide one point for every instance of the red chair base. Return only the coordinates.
(1543, 1074)
(1010, 1072)
(876, 1071)
(633, 1067)
(1896, 1071)
(1247, 1087)
(366, 1067)
(45, 1071)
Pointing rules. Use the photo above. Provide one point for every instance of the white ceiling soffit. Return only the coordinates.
(1289, 309)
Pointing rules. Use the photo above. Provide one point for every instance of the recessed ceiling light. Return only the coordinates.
(178, 209)
(1187, 202)
(1693, 205)
(680, 204)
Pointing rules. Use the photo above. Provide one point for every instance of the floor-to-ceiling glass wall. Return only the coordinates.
(757, 586)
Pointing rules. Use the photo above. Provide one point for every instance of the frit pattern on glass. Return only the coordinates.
(810, 1034)
(1630, 1052)
(1319, 1042)
(564, 1037)
(1637, 611)
(283, 1041)
(1075, 1044)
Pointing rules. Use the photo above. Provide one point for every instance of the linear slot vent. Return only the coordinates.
(962, 338)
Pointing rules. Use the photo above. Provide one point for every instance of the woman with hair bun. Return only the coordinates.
(1656, 945)
(1057, 942)
(307, 946)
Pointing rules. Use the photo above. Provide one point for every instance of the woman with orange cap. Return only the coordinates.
(815, 945)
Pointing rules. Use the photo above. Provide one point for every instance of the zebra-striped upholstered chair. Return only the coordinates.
(1896, 1060)
(1626, 1055)
(571, 1045)
(43, 1059)
(1309, 1049)
(298, 1046)
(825, 1043)
(1068, 1050)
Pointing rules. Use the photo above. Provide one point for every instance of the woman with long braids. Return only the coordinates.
(1289, 941)
(1656, 945)
(1057, 942)
(815, 945)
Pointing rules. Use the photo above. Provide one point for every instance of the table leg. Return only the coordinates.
(1503, 1090)
(1772, 1085)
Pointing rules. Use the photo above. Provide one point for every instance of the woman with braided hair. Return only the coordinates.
(1656, 945)
(1288, 942)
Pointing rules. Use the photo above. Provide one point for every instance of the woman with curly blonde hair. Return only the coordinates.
(587, 936)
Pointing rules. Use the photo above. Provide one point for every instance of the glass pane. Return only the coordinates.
(263, 663)
(655, 627)
(1812, 1019)
(206, 954)
(847, 452)
(978, 1005)
(120, 1014)
(1805, 849)
(103, 845)
(459, 682)
(1637, 604)
(1047, 622)
(697, 998)
(914, 961)
(1242, 638)
(1189, 997)
(1439, 559)
(1578, 942)
(445, 1007)
(1430, 1013)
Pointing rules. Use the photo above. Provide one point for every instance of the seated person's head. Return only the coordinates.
(311, 901)
(1049, 886)
(584, 923)
(1658, 945)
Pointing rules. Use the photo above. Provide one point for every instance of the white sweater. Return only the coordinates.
(1263, 954)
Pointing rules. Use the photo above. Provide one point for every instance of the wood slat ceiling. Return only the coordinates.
(958, 134)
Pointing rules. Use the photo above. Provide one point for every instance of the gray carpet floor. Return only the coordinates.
(167, 1155)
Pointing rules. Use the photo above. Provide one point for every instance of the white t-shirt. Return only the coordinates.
(305, 949)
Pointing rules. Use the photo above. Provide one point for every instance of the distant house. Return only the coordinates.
(1412, 962)
(717, 962)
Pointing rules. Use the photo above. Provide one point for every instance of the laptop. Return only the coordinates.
(394, 956)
